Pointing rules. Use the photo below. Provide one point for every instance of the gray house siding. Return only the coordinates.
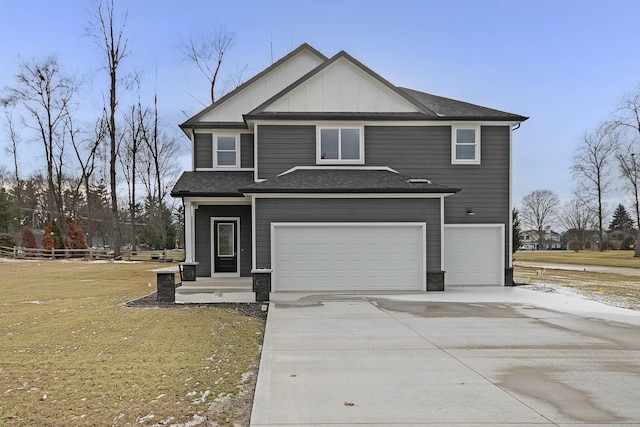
(246, 150)
(425, 152)
(203, 150)
(204, 213)
(282, 147)
(345, 210)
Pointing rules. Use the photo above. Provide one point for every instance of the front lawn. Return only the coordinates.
(608, 258)
(72, 354)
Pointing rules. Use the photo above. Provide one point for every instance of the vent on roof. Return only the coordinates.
(418, 181)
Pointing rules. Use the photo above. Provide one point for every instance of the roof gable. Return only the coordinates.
(342, 84)
(231, 107)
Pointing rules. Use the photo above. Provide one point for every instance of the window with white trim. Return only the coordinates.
(226, 152)
(465, 145)
(340, 145)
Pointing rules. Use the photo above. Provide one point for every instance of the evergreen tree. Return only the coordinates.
(621, 220)
(515, 225)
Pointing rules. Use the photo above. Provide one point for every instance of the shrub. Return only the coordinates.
(76, 235)
(47, 238)
(28, 239)
(7, 240)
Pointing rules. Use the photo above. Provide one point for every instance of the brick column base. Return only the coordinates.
(435, 280)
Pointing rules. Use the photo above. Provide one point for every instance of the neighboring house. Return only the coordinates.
(334, 178)
(530, 240)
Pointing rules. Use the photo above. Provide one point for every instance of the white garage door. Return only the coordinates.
(474, 255)
(337, 257)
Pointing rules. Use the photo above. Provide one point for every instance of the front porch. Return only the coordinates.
(215, 289)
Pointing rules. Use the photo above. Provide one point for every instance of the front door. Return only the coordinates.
(225, 250)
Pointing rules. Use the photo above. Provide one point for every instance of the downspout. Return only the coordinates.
(510, 265)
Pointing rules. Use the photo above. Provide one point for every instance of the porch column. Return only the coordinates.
(189, 231)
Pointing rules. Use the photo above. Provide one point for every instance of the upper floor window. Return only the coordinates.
(340, 145)
(226, 153)
(465, 145)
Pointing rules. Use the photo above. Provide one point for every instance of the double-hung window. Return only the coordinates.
(340, 145)
(465, 145)
(226, 151)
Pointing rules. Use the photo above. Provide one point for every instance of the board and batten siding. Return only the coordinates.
(204, 213)
(281, 148)
(345, 210)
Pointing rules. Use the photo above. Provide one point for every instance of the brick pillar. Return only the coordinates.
(188, 271)
(261, 283)
(166, 286)
(435, 280)
(508, 276)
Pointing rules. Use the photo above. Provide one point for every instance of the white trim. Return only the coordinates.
(189, 241)
(193, 149)
(400, 123)
(225, 134)
(501, 227)
(510, 262)
(422, 225)
(213, 245)
(228, 168)
(254, 250)
(213, 201)
(442, 234)
(349, 195)
(338, 167)
(477, 134)
(340, 126)
(255, 152)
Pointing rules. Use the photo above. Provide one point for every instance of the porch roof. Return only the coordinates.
(212, 183)
(328, 180)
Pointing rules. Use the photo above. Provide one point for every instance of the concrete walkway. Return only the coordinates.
(464, 357)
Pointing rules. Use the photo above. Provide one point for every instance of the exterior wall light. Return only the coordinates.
(470, 211)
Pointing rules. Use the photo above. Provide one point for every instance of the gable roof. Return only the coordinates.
(416, 107)
(195, 120)
(410, 104)
(327, 180)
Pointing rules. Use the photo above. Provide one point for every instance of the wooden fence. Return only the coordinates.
(18, 253)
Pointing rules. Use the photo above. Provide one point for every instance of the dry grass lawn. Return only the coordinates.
(72, 354)
(608, 258)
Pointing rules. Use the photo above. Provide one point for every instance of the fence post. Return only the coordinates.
(15, 252)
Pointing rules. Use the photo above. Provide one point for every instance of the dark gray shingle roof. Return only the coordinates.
(329, 180)
(212, 183)
(451, 109)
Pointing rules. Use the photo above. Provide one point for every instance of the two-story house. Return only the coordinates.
(335, 179)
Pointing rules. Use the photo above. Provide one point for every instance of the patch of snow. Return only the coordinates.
(142, 420)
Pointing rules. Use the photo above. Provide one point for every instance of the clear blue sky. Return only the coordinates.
(565, 64)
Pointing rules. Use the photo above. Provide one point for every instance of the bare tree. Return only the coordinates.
(539, 212)
(209, 53)
(630, 171)
(592, 169)
(109, 35)
(46, 94)
(12, 149)
(160, 169)
(579, 222)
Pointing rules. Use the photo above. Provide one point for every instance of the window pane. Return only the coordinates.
(465, 152)
(225, 240)
(350, 144)
(466, 136)
(227, 143)
(329, 143)
(226, 158)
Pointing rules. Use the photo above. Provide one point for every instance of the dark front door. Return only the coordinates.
(226, 243)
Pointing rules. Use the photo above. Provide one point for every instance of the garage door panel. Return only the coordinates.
(474, 255)
(353, 257)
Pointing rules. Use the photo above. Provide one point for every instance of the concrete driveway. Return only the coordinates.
(495, 356)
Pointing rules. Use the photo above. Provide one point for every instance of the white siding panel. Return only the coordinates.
(353, 257)
(343, 87)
